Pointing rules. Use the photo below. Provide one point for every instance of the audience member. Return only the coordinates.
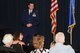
(7, 40)
(59, 46)
(38, 43)
(17, 42)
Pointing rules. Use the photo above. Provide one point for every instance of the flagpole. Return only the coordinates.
(54, 37)
(71, 36)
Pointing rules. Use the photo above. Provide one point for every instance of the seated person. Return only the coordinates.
(59, 46)
(7, 40)
(38, 43)
(18, 36)
(17, 41)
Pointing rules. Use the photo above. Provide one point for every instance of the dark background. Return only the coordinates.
(11, 12)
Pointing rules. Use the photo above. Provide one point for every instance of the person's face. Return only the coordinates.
(21, 36)
(31, 6)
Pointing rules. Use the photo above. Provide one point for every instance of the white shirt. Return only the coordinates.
(30, 11)
(60, 48)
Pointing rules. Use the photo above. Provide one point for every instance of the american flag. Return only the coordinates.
(53, 10)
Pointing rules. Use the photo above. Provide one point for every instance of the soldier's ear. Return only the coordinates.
(28, 6)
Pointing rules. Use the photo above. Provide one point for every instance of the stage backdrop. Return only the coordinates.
(11, 12)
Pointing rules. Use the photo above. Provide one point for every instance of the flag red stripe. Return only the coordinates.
(53, 1)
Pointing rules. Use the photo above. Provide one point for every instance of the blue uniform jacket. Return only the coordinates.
(34, 20)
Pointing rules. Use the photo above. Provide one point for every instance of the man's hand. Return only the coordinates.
(29, 25)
